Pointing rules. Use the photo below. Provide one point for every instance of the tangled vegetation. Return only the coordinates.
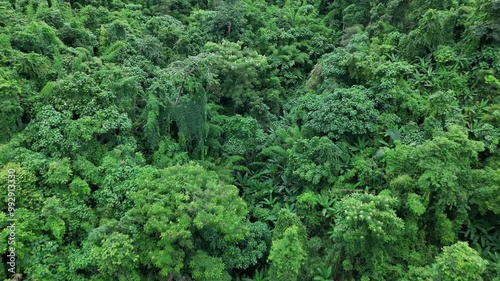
(251, 140)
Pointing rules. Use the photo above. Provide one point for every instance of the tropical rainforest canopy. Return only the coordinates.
(285, 140)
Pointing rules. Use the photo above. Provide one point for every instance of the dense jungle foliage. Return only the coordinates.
(251, 140)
